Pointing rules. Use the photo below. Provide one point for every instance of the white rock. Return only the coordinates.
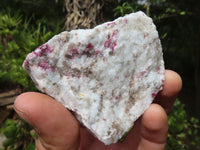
(108, 75)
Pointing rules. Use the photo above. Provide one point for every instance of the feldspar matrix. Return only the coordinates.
(108, 75)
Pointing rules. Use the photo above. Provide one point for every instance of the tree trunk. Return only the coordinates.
(82, 14)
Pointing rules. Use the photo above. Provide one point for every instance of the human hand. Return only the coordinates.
(58, 129)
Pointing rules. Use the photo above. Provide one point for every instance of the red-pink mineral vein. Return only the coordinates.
(43, 50)
(44, 65)
(111, 41)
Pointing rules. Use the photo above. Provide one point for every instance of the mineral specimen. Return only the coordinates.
(108, 76)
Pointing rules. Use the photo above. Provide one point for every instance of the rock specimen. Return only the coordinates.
(108, 76)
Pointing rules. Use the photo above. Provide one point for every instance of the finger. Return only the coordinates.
(171, 88)
(154, 128)
(56, 126)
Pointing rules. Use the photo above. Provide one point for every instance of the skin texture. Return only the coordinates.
(59, 130)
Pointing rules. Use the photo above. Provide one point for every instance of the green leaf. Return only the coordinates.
(182, 13)
(8, 142)
(10, 131)
(33, 134)
(181, 135)
(30, 146)
(125, 134)
(164, 35)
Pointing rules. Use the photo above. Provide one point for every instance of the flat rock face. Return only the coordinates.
(108, 75)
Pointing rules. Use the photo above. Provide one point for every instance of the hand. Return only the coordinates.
(59, 130)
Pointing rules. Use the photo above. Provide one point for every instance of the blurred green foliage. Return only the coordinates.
(19, 135)
(123, 9)
(184, 131)
(51, 10)
(18, 37)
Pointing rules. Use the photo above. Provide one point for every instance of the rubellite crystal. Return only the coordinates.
(108, 76)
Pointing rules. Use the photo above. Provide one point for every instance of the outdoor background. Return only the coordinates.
(26, 24)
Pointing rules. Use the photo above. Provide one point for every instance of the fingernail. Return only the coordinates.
(20, 112)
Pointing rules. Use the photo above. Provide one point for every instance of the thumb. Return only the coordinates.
(55, 125)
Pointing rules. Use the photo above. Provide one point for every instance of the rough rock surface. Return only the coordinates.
(108, 75)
